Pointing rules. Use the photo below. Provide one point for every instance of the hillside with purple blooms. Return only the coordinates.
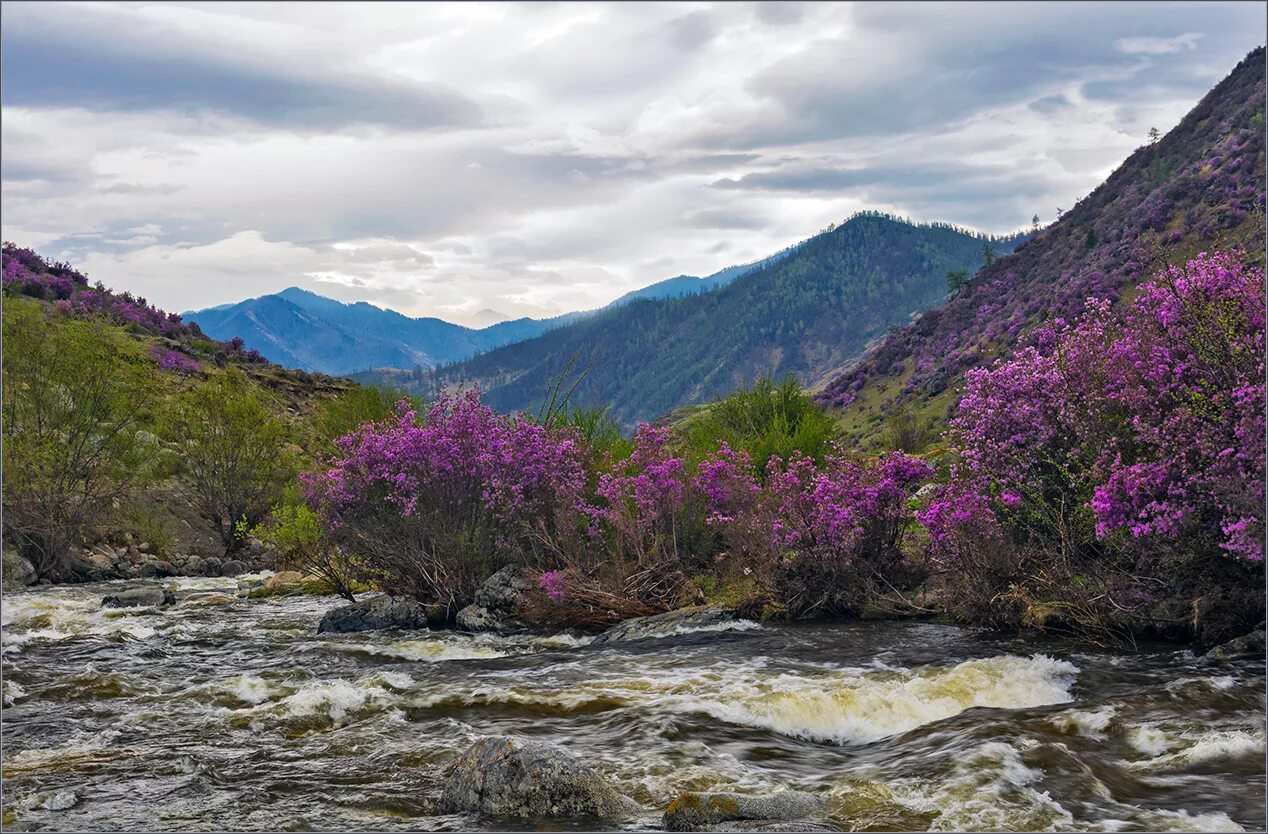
(1198, 188)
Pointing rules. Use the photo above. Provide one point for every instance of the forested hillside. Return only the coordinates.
(805, 314)
(1200, 187)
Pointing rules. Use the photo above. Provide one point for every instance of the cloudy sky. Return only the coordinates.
(531, 159)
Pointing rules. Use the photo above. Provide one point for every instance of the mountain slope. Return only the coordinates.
(681, 285)
(806, 313)
(302, 329)
(1199, 187)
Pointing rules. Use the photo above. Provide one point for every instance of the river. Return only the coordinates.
(240, 717)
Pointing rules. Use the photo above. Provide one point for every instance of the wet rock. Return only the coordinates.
(1248, 645)
(283, 579)
(505, 777)
(139, 597)
(498, 602)
(158, 568)
(208, 598)
(232, 567)
(209, 566)
(668, 624)
(741, 812)
(381, 612)
(18, 571)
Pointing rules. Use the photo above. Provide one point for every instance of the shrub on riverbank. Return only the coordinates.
(1116, 462)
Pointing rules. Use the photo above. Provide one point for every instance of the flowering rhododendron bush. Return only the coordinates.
(1120, 458)
(434, 506)
(649, 513)
(822, 539)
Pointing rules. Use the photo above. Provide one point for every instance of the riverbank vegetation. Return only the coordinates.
(1105, 479)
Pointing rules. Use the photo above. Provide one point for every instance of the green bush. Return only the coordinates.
(769, 419)
(234, 456)
(76, 397)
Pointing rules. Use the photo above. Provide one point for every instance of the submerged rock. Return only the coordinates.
(381, 612)
(668, 624)
(1248, 645)
(505, 777)
(498, 602)
(139, 597)
(744, 812)
(208, 598)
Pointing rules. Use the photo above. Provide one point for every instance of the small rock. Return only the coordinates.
(504, 777)
(722, 811)
(381, 612)
(1248, 645)
(209, 566)
(668, 624)
(232, 567)
(139, 597)
(157, 568)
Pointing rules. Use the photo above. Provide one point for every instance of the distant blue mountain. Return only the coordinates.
(301, 329)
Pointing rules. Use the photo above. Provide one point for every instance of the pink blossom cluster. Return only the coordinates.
(461, 461)
(174, 361)
(1151, 418)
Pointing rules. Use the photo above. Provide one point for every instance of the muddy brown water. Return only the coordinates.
(240, 717)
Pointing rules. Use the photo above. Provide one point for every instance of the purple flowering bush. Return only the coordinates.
(435, 505)
(1119, 459)
(174, 361)
(648, 511)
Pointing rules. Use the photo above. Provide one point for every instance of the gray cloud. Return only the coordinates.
(54, 58)
(534, 158)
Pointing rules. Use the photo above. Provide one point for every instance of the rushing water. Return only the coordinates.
(239, 716)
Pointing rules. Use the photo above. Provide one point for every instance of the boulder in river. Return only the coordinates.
(232, 567)
(506, 777)
(498, 602)
(158, 567)
(139, 597)
(743, 812)
(1248, 645)
(381, 612)
(668, 624)
(18, 571)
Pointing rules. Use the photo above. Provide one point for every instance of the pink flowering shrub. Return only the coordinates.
(1125, 448)
(820, 538)
(174, 361)
(649, 511)
(434, 506)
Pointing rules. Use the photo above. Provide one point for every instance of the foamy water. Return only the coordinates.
(238, 715)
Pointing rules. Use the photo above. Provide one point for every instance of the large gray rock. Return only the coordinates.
(505, 777)
(498, 602)
(741, 812)
(668, 624)
(232, 567)
(18, 571)
(381, 612)
(1248, 645)
(139, 597)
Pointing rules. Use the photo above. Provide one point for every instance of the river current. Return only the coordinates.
(240, 717)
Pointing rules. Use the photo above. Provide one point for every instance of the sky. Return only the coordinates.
(475, 161)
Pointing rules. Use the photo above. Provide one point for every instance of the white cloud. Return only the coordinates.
(1159, 46)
